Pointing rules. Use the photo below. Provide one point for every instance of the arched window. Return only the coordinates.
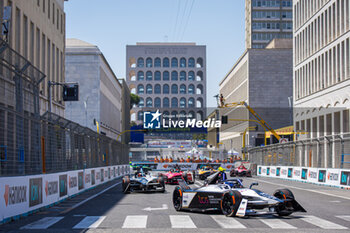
(199, 62)
(199, 103)
(157, 89)
(174, 62)
(191, 115)
(199, 115)
(191, 62)
(149, 75)
(191, 76)
(149, 103)
(174, 115)
(165, 62)
(174, 89)
(166, 102)
(191, 89)
(174, 76)
(166, 89)
(157, 76)
(157, 62)
(199, 90)
(149, 62)
(182, 62)
(141, 103)
(183, 115)
(166, 113)
(191, 102)
(149, 89)
(182, 76)
(182, 89)
(182, 103)
(157, 102)
(166, 76)
(140, 116)
(140, 76)
(140, 62)
(140, 89)
(174, 103)
(199, 76)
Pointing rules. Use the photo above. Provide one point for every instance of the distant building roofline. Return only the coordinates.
(165, 43)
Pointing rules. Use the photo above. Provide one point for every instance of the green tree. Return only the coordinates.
(134, 100)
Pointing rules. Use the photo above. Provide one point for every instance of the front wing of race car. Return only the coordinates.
(143, 185)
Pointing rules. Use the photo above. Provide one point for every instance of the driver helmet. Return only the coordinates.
(221, 169)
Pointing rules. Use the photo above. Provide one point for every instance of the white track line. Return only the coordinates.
(43, 223)
(344, 217)
(90, 222)
(322, 223)
(88, 199)
(226, 222)
(135, 221)
(277, 224)
(310, 190)
(181, 221)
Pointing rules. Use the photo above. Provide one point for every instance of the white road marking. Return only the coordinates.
(43, 223)
(344, 217)
(164, 207)
(322, 223)
(181, 221)
(135, 221)
(90, 222)
(88, 199)
(335, 201)
(277, 224)
(310, 190)
(226, 222)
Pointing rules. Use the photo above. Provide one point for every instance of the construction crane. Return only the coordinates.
(222, 104)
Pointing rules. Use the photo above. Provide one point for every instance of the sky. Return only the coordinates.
(113, 24)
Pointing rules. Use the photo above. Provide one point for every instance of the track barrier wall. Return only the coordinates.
(23, 195)
(321, 176)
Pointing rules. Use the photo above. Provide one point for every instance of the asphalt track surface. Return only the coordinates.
(107, 209)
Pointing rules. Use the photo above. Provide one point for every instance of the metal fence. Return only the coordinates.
(33, 144)
(331, 151)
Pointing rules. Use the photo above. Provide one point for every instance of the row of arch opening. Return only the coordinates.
(173, 102)
(167, 89)
(166, 62)
(166, 76)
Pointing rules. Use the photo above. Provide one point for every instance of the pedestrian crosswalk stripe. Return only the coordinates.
(277, 223)
(181, 221)
(90, 222)
(344, 217)
(322, 223)
(135, 221)
(226, 222)
(43, 223)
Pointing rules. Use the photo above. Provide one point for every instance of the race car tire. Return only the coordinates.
(125, 184)
(177, 198)
(230, 203)
(283, 194)
(201, 177)
(232, 174)
(162, 183)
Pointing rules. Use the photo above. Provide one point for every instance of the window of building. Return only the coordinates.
(165, 62)
(149, 89)
(191, 89)
(166, 103)
(199, 62)
(182, 76)
(140, 116)
(174, 115)
(149, 102)
(149, 76)
(191, 62)
(191, 102)
(174, 89)
(157, 76)
(157, 89)
(191, 76)
(174, 62)
(149, 62)
(141, 103)
(183, 62)
(166, 76)
(140, 62)
(166, 89)
(140, 89)
(174, 103)
(157, 102)
(140, 76)
(157, 62)
(182, 103)
(174, 76)
(182, 89)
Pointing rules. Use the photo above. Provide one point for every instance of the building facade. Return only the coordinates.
(101, 95)
(322, 71)
(37, 33)
(262, 78)
(266, 20)
(170, 77)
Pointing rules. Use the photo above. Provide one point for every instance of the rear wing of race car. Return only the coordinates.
(184, 185)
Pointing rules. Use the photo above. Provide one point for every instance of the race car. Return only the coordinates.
(241, 171)
(143, 181)
(173, 176)
(205, 171)
(232, 199)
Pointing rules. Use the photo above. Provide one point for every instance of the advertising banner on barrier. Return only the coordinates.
(345, 178)
(297, 173)
(312, 175)
(284, 172)
(333, 176)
